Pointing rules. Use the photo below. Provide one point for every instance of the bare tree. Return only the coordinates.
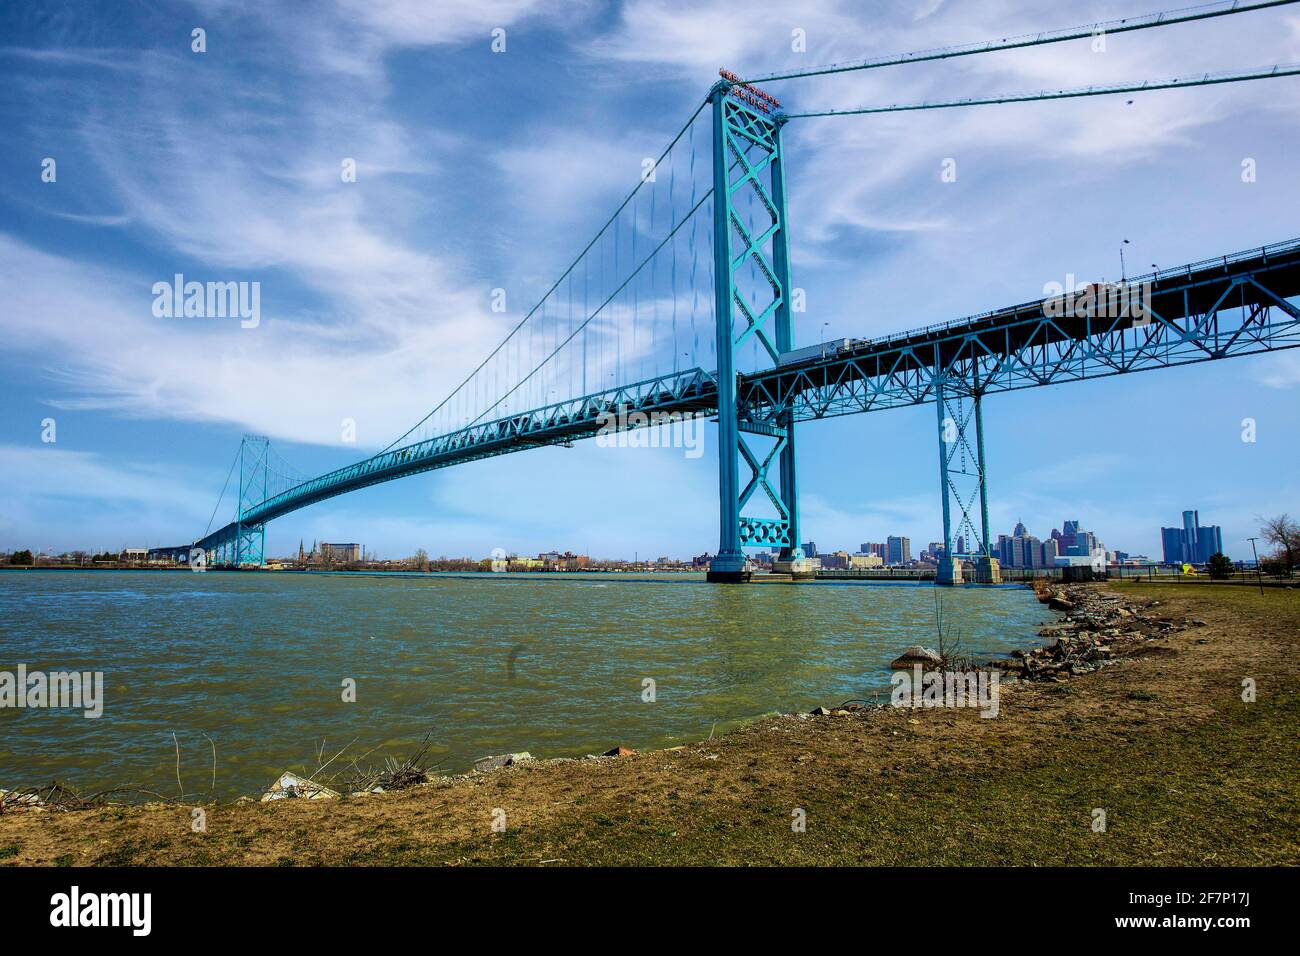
(1284, 534)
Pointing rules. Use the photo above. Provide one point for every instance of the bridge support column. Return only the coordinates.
(249, 544)
(792, 559)
(949, 570)
(962, 480)
(987, 568)
(751, 306)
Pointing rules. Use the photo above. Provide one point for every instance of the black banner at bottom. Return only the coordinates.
(329, 907)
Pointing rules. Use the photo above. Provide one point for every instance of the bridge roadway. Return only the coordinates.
(1217, 308)
(1192, 318)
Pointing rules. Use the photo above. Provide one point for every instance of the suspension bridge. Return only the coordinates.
(682, 304)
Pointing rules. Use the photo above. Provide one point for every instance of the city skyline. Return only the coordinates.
(883, 547)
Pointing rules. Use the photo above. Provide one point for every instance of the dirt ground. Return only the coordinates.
(1186, 772)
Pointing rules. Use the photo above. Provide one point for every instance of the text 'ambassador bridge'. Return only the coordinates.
(682, 305)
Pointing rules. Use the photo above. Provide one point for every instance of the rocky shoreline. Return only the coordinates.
(1100, 628)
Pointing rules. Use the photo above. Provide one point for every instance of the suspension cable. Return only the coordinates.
(1222, 8)
(623, 285)
(1207, 79)
(543, 299)
(224, 486)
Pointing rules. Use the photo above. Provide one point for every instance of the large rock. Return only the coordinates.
(13, 800)
(290, 786)
(916, 654)
(484, 764)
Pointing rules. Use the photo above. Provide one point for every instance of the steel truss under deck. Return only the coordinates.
(686, 392)
(1218, 308)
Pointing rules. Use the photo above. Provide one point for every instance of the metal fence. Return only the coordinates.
(1166, 574)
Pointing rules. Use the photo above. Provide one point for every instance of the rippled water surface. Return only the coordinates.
(551, 664)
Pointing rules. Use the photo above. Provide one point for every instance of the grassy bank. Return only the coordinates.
(1186, 772)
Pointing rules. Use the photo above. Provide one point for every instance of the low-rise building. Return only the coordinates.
(340, 553)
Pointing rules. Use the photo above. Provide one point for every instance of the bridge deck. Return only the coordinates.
(1022, 346)
(1191, 319)
(683, 393)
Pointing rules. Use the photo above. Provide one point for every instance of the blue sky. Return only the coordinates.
(479, 170)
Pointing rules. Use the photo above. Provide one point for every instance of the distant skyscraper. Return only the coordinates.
(1085, 544)
(1171, 544)
(1020, 550)
(899, 550)
(1190, 551)
(1209, 541)
(1067, 538)
(1192, 543)
(809, 549)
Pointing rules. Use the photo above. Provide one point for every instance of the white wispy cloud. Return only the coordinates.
(887, 153)
(1281, 370)
(360, 321)
(252, 188)
(94, 332)
(49, 472)
(102, 59)
(110, 503)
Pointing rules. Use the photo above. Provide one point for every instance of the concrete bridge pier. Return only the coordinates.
(988, 570)
(950, 573)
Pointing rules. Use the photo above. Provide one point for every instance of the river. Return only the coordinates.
(553, 664)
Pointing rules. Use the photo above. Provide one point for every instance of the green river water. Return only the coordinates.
(483, 664)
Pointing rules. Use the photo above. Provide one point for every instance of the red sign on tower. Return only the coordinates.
(749, 94)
